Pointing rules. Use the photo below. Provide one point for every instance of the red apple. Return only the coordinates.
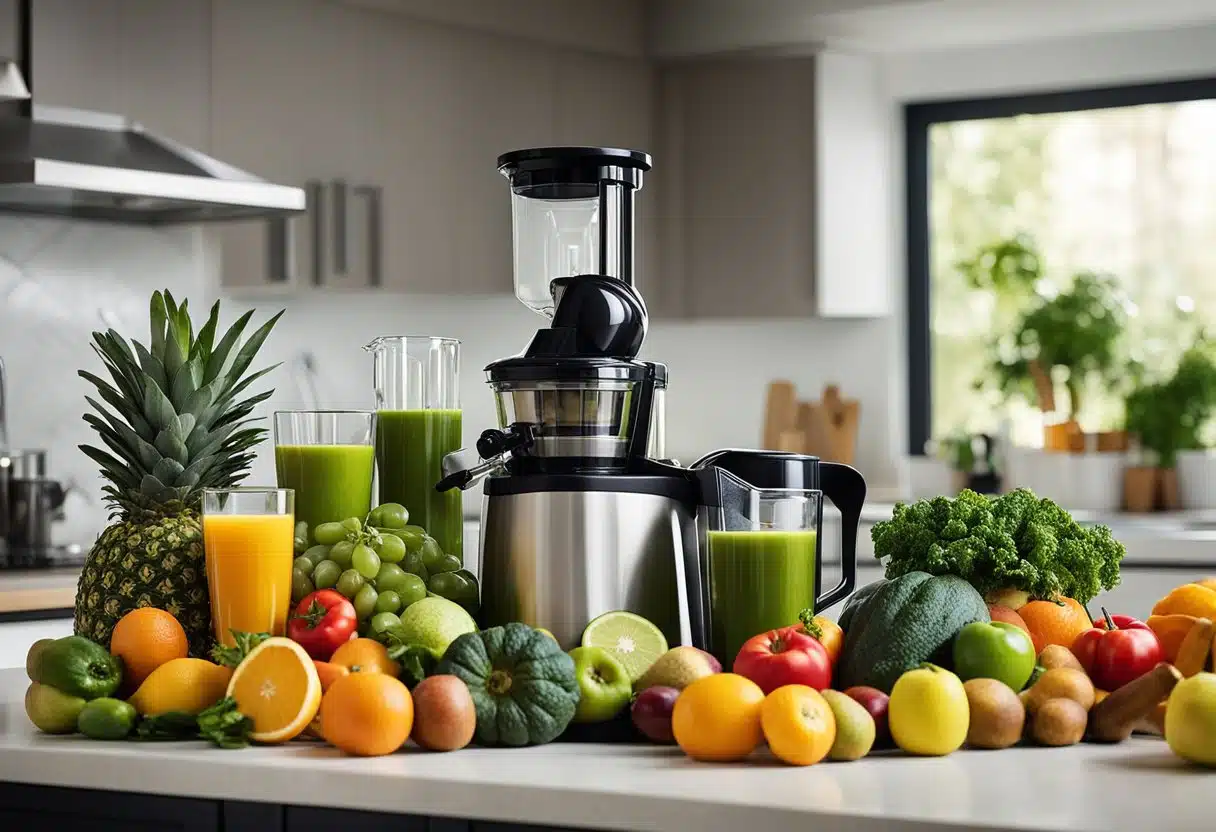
(874, 701)
(1000, 612)
(651, 713)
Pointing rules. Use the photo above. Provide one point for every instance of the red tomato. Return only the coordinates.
(321, 623)
(1113, 656)
(1122, 622)
(789, 656)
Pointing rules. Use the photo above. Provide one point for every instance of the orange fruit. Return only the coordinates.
(798, 724)
(1052, 622)
(717, 718)
(1197, 599)
(328, 673)
(365, 655)
(830, 636)
(278, 688)
(1171, 630)
(367, 714)
(145, 638)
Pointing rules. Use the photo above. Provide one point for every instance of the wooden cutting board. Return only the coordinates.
(781, 417)
(826, 428)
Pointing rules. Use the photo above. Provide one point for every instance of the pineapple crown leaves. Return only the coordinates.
(170, 415)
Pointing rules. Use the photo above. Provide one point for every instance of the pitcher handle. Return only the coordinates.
(846, 488)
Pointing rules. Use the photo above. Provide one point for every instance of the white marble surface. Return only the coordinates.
(1134, 786)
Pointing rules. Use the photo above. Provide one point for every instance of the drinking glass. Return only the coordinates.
(248, 543)
(418, 423)
(328, 458)
(760, 566)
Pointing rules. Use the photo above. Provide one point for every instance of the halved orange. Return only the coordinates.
(278, 688)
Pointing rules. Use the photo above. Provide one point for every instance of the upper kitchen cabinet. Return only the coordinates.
(505, 100)
(773, 199)
(144, 59)
(290, 101)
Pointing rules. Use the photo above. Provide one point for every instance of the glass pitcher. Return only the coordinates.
(418, 422)
(759, 548)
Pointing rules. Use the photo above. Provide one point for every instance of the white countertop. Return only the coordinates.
(1134, 786)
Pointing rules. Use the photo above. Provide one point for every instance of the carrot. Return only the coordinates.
(1193, 652)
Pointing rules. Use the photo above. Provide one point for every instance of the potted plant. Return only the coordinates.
(1168, 418)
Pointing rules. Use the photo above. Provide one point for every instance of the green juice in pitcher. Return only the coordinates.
(758, 581)
(332, 482)
(410, 447)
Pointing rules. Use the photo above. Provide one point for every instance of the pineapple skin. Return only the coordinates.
(147, 562)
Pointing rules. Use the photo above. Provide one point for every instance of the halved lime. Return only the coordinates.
(632, 640)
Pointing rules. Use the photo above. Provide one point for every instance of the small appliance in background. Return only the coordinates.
(826, 428)
(582, 514)
(29, 502)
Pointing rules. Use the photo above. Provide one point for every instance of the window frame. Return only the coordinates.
(918, 118)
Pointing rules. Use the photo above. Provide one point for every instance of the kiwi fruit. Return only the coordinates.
(1061, 683)
(1055, 655)
(1059, 722)
(444, 716)
(997, 714)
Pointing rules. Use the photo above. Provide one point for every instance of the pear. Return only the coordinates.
(678, 668)
(855, 730)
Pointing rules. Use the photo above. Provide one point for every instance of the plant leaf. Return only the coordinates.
(219, 356)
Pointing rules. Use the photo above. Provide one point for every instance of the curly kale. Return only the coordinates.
(1016, 540)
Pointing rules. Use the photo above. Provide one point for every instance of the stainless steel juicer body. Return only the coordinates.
(559, 558)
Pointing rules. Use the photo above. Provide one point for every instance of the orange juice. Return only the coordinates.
(249, 560)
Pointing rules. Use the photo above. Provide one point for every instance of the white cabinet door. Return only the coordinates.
(852, 182)
(147, 60)
(16, 638)
(505, 100)
(746, 177)
(289, 103)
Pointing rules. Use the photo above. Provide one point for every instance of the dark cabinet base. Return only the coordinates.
(51, 807)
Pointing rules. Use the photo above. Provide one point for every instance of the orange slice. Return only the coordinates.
(277, 686)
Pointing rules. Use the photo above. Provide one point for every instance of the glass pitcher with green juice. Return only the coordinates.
(760, 549)
(418, 422)
(327, 457)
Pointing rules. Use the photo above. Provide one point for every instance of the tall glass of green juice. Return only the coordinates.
(328, 459)
(758, 581)
(417, 385)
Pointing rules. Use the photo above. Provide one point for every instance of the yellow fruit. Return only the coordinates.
(717, 718)
(1190, 719)
(278, 688)
(928, 711)
(146, 638)
(187, 685)
(1195, 599)
(798, 724)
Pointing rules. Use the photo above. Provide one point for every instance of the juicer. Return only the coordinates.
(582, 514)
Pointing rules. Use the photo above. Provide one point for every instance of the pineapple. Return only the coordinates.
(174, 426)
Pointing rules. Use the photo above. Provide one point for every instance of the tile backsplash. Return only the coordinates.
(60, 281)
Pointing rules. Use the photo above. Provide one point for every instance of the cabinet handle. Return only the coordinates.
(338, 191)
(316, 220)
(373, 195)
(278, 249)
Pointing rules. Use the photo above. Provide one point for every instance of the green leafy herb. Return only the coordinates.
(1015, 541)
(417, 662)
(222, 724)
(170, 726)
(225, 725)
(232, 656)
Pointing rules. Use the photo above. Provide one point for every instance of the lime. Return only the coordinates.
(106, 719)
(630, 639)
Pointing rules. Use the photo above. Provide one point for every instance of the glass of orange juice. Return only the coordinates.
(248, 540)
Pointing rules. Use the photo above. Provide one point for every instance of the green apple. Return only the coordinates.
(994, 650)
(603, 684)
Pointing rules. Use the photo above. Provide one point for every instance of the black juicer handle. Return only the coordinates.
(846, 488)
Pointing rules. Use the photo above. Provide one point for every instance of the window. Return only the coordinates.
(1118, 182)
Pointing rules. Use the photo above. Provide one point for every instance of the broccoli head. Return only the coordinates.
(1016, 540)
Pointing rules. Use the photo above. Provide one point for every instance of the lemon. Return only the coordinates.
(187, 685)
(1190, 719)
(928, 711)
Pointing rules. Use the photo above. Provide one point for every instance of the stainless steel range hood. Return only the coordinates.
(97, 166)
